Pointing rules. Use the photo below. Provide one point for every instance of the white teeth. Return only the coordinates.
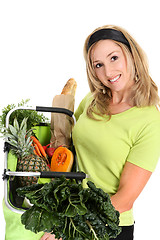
(115, 79)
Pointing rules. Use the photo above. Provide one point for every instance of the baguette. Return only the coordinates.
(70, 87)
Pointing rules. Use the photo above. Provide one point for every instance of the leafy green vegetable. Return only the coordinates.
(32, 116)
(70, 211)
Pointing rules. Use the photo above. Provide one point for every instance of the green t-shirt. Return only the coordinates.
(103, 147)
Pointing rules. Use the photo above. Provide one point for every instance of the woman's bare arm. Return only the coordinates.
(132, 182)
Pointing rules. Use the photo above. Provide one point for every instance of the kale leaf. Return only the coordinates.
(70, 211)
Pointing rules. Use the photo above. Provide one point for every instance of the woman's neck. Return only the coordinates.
(120, 103)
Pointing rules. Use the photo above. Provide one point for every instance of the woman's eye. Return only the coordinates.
(98, 65)
(114, 58)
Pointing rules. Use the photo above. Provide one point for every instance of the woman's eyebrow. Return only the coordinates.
(107, 56)
(112, 53)
(96, 61)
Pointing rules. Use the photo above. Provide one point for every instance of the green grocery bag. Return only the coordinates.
(43, 134)
(14, 229)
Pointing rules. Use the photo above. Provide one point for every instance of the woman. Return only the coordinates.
(117, 134)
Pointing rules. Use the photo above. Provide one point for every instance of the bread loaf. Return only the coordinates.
(70, 87)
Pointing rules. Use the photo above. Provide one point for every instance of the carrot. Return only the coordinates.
(35, 140)
(37, 150)
(34, 150)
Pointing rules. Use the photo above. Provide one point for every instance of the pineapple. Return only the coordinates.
(21, 145)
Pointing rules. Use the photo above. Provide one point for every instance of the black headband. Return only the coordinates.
(107, 33)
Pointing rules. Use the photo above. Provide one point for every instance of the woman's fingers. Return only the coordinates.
(49, 236)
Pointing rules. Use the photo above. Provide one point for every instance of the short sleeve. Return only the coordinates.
(81, 106)
(145, 152)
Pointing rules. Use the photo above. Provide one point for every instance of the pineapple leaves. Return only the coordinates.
(16, 124)
(13, 130)
(19, 138)
(23, 126)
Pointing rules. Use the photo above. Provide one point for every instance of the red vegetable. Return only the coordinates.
(50, 151)
(45, 147)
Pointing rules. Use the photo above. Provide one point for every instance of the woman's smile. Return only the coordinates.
(115, 79)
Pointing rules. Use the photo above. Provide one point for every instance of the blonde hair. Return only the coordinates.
(143, 93)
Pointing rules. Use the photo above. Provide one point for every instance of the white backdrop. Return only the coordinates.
(41, 47)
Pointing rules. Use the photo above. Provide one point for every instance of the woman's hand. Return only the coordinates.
(49, 236)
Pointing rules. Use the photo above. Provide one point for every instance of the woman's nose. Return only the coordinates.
(108, 71)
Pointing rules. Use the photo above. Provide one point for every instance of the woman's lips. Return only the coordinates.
(115, 79)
